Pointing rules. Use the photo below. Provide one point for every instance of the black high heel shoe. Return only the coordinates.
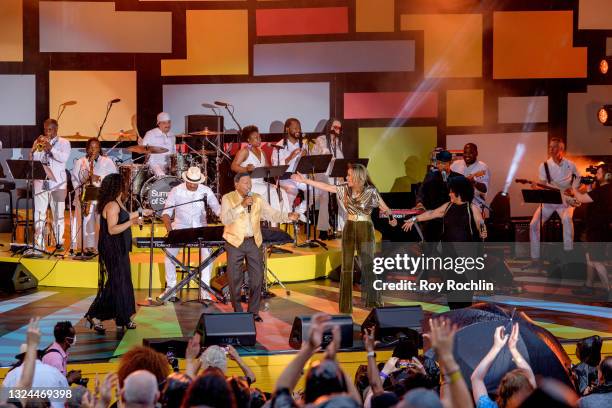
(97, 327)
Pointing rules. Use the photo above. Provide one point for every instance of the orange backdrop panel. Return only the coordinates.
(302, 21)
(536, 44)
(375, 15)
(217, 44)
(11, 31)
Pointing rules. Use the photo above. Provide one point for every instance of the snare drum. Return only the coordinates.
(155, 191)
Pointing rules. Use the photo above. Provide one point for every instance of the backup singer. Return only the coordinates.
(161, 136)
(462, 224)
(288, 152)
(476, 171)
(560, 173)
(90, 169)
(241, 213)
(598, 227)
(188, 216)
(52, 151)
(115, 297)
(251, 157)
(330, 142)
(359, 197)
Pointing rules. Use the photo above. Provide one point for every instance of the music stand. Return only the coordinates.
(184, 237)
(311, 165)
(89, 193)
(29, 170)
(340, 170)
(541, 196)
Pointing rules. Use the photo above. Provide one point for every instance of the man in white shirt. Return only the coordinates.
(54, 154)
(191, 215)
(161, 136)
(288, 152)
(561, 174)
(476, 171)
(89, 169)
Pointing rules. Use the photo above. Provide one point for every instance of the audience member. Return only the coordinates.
(601, 394)
(143, 358)
(140, 390)
(210, 389)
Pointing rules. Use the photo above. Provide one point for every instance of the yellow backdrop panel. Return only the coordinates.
(453, 43)
(398, 156)
(11, 31)
(465, 107)
(217, 44)
(375, 15)
(92, 90)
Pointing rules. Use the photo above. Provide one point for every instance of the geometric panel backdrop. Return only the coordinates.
(375, 15)
(489, 148)
(322, 57)
(595, 15)
(522, 109)
(93, 90)
(585, 135)
(536, 44)
(398, 156)
(464, 107)
(97, 27)
(266, 105)
(302, 21)
(453, 43)
(387, 105)
(11, 30)
(18, 100)
(609, 46)
(217, 44)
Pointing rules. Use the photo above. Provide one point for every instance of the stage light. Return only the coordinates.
(604, 115)
(604, 66)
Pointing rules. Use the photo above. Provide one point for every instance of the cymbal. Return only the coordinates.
(77, 136)
(147, 149)
(183, 136)
(206, 132)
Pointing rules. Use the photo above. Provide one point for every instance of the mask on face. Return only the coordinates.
(74, 340)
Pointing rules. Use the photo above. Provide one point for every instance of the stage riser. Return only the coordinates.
(77, 274)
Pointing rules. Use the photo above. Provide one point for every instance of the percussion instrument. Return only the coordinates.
(205, 133)
(179, 163)
(140, 149)
(133, 176)
(155, 191)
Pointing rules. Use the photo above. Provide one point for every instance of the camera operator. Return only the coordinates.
(598, 225)
(56, 355)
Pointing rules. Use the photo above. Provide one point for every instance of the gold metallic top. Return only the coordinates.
(361, 204)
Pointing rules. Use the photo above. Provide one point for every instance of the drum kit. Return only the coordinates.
(150, 191)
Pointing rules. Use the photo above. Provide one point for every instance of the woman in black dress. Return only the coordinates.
(462, 225)
(115, 298)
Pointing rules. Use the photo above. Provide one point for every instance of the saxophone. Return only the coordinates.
(88, 183)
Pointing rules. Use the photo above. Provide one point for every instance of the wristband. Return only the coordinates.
(413, 219)
(383, 375)
(453, 376)
(371, 354)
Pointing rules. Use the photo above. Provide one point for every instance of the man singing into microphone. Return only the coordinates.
(161, 136)
(241, 213)
(192, 215)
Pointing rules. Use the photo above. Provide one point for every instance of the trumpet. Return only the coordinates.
(40, 143)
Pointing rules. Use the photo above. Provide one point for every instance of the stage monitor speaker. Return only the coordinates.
(394, 322)
(175, 345)
(301, 328)
(14, 277)
(227, 328)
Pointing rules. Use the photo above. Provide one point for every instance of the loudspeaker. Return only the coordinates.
(395, 321)
(195, 123)
(496, 269)
(14, 277)
(301, 329)
(335, 273)
(227, 328)
(176, 345)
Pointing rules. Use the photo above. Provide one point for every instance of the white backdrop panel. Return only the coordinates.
(18, 100)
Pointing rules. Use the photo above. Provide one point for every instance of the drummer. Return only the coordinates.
(161, 136)
(252, 156)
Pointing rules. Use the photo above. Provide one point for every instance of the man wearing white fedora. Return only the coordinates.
(191, 215)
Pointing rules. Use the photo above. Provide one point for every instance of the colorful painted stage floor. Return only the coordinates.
(567, 321)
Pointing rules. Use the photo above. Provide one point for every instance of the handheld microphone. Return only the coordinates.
(115, 101)
(140, 219)
(249, 194)
(482, 227)
(224, 104)
(444, 176)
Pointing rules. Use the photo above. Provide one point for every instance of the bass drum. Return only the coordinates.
(155, 191)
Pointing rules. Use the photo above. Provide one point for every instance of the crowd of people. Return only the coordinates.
(146, 379)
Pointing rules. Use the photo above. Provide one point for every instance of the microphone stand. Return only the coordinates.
(108, 108)
(149, 301)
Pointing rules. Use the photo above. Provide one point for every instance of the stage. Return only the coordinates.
(67, 288)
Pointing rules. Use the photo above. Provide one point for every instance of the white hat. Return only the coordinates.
(194, 175)
(163, 117)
